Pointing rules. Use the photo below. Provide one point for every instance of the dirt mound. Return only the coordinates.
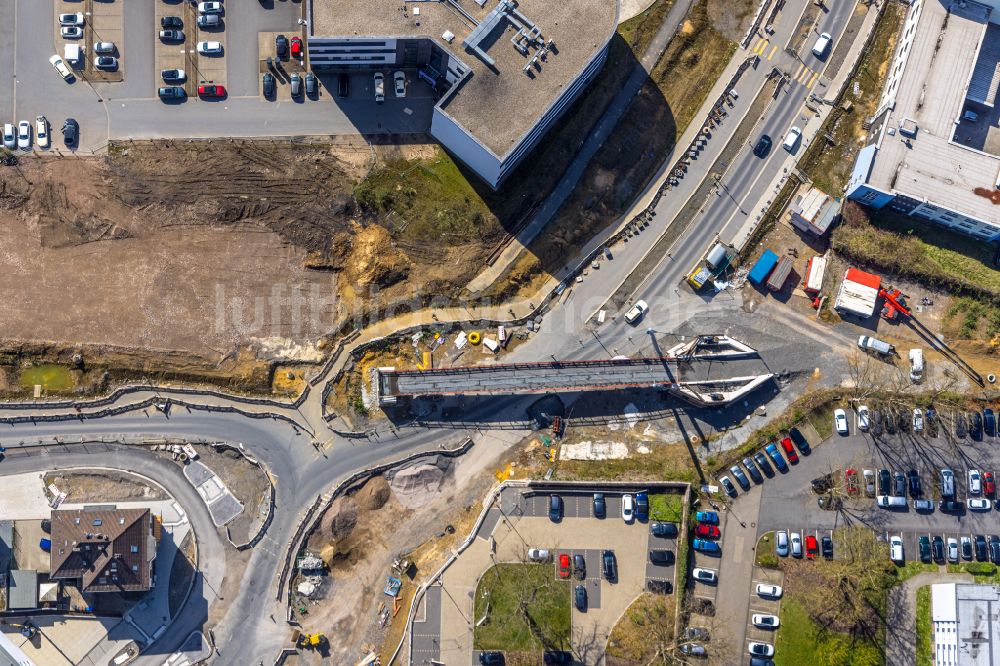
(416, 486)
(374, 260)
(340, 519)
(373, 495)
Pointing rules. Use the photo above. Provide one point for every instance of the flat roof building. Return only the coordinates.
(814, 211)
(503, 70)
(966, 622)
(933, 147)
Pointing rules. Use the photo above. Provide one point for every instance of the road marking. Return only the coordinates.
(773, 51)
(760, 46)
(812, 80)
(799, 71)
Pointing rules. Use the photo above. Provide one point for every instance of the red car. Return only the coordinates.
(851, 476)
(211, 91)
(989, 484)
(296, 47)
(710, 531)
(564, 567)
(786, 444)
(812, 548)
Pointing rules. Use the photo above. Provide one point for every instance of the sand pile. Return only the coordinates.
(418, 485)
(374, 494)
(340, 519)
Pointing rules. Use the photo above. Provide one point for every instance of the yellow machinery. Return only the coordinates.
(312, 641)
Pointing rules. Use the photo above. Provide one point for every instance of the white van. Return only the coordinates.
(891, 501)
(896, 549)
(916, 365)
(73, 54)
(867, 343)
(792, 139)
(822, 44)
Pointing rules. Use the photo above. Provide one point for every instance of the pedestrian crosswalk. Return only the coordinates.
(764, 48)
(805, 76)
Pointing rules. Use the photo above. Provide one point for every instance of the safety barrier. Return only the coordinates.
(255, 539)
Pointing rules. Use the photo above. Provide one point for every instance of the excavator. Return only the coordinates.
(311, 641)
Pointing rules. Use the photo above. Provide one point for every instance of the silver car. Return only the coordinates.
(781, 543)
(796, 544)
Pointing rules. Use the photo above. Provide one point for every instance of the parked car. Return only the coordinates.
(898, 484)
(707, 531)
(765, 621)
(869, 476)
(609, 565)
(539, 555)
(994, 549)
(24, 135)
(9, 136)
(976, 426)
(557, 657)
(989, 484)
(763, 146)
(296, 85)
(579, 566)
(800, 441)
(760, 649)
(210, 48)
(704, 546)
(952, 549)
(989, 422)
(961, 428)
(210, 8)
(379, 79)
(978, 504)
(663, 529)
(705, 575)
(491, 658)
(104, 47)
(754, 473)
(863, 418)
(636, 312)
(779, 460)
(896, 549)
(172, 74)
(281, 46)
(781, 543)
(914, 481)
(812, 547)
(966, 547)
(883, 481)
(982, 552)
(740, 477)
(728, 485)
(937, 546)
(580, 597)
(975, 482)
(70, 131)
(106, 62)
(661, 556)
(41, 132)
(796, 544)
(827, 546)
(951, 506)
(707, 517)
(268, 85)
(399, 83)
(171, 92)
(75, 18)
(600, 508)
(642, 506)
(840, 421)
(211, 91)
(171, 22)
(924, 544)
(564, 566)
(71, 32)
(296, 47)
(209, 21)
(172, 35)
(693, 650)
(918, 420)
(923, 505)
(555, 508)
(771, 591)
(786, 444)
(947, 483)
(312, 84)
(762, 463)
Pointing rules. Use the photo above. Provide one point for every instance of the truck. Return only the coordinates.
(758, 274)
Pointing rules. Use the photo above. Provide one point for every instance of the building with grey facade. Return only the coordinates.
(933, 150)
(966, 621)
(503, 70)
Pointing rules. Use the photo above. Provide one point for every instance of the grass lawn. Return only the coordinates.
(529, 609)
(802, 641)
(765, 555)
(983, 572)
(666, 507)
(925, 646)
(639, 30)
(822, 419)
(914, 567)
(648, 624)
(51, 377)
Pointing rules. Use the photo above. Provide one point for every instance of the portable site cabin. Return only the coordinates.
(815, 269)
(758, 274)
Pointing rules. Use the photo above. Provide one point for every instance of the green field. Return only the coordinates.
(802, 641)
(529, 609)
(925, 646)
(666, 507)
(51, 377)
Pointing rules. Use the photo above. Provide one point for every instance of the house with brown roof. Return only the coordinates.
(106, 549)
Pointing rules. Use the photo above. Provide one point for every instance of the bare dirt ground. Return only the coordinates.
(247, 482)
(102, 486)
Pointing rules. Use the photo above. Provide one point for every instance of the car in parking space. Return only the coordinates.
(9, 136)
(966, 548)
(840, 421)
(580, 597)
(642, 506)
(171, 92)
(696, 634)
(826, 545)
(952, 549)
(741, 478)
(491, 658)
(776, 456)
(796, 540)
(754, 472)
(763, 464)
(728, 485)
(947, 483)
(869, 476)
(268, 85)
(379, 79)
(709, 547)
(769, 591)
(555, 508)
(876, 422)
(913, 478)
(70, 131)
(765, 621)
(896, 549)
(924, 545)
(281, 46)
(693, 650)
(918, 420)
(312, 84)
(989, 422)
(24, 135)
(761, 661)
(937, 547)
(628, 508)
(296, 85)
(661, 556)
(600, 507)
(564, 566)
(883, 481)
(41, 132)
(296, 47)
(171, 22)
(786, 444)
(763, 146)
(781, 543)
(863, 418)
(812, 547)
(399, 83)
(209, 21)
(104, 47)
(898, 484)
(923, 505)
(539, 555)
(579, 566)
(659, 529)
(707, 517)
(172, 35)
(975, 482)
(982, 552)
(951, 506)
(760, 649)
(172, 74)
(994, 542)
(976, 425)
(978, 504)
(71, 32)
(75, 18)
(851, 479)
(557, 657)
(705, 575)
(609, 566)
(890, 421)
(210, 8)
(211, 91)
(106, 62)
(904, 421)
(989, 484)
(636, 312)
(210, 48)
(800, 441)
(707, 531)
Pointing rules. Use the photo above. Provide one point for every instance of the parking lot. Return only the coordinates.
(103, 21)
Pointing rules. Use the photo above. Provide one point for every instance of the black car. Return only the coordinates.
(268, 85)
(826, 543)
(342, 84)
(914, 480)
(662, 557)
(904, 420)
(899, 484)
(967, 549)
(491, 658)
(555, 508)
(281, 46)
(600, 508)
(876, 423)
(989, 422)
(763, 464)
(579, 566)
(800, 441)
(171, 22)
(557, 658)
(883, 481)
(70, 131)
(951, 506)
(925, 548)
(741, 478)
(937, 544)
(994, 549)
(663, 529)
(580, 597)
(754, 472)
(609, 565)
(763, 146)
(728, 485)
(976, 425)
(982, 553)
(960, 426)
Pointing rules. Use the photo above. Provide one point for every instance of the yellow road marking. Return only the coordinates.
(812, 81)
(773, 51)
(798, 72)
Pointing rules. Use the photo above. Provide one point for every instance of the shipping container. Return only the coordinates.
(758, 274)
(780, 274)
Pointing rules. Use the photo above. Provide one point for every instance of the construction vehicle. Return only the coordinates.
(312, 641)
(895, 304)
(28, 630)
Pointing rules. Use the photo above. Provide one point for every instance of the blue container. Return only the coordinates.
(45, 544)
(758, 274)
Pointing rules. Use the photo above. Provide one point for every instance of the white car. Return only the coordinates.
(539, 555)
(399, 79)
(840, 421)
(9, 136)
(104, 47)
(896, 549)
(918, 420)
(822, 44)
(796, 544)
(705, 575)
(628, 508)
(764, 621)
(975, 482)
(379, 78)
(978, 504)
(792, 139)
(209, 7)
(952, 549)
(916, 365)
(210, 48)
(636, 313)
(61, 67)
(760, 649)
(71, 19)
(24, 135)
(869, 482)
(42, 132)
(772, 591)
(863, 418)
(71, 32)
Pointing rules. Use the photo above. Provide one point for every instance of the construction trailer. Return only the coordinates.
(815, 270)
(858, 294)
(758, 274)
(780, 274)
(711, 264)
